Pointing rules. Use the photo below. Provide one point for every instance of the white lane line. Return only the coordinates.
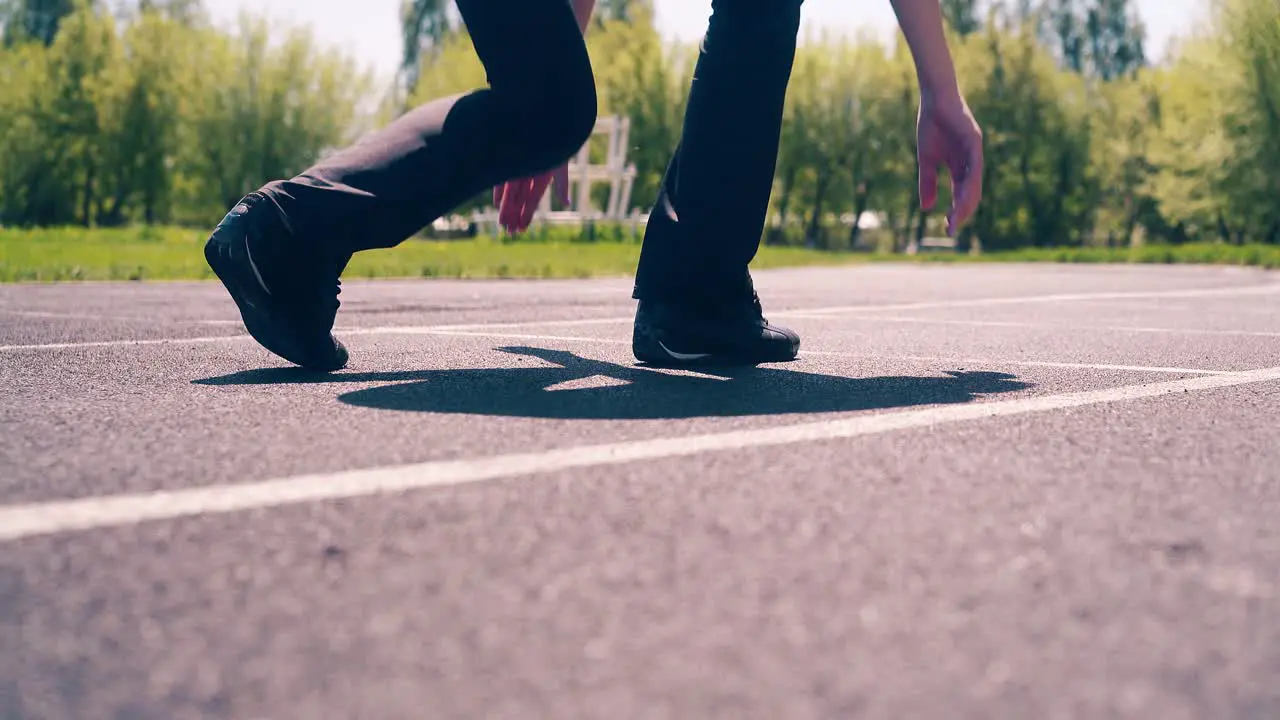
(814, 313)
(823, 312)
(577, 322)
(71, 316)
(1269, 289)
(988, 362)
(823, 353)
(106, 318)
(24, 521)
(387, 330)
(123, 343)
(429, 330)
(1053, 326)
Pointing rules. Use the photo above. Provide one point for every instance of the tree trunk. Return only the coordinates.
(1224, 232)
(860, 202)
(784, 205)
(1029, 195)
(983, 223)
(114, 215)
(1130, 223)
(86, 202)
(1058, 208)
(815, 220)
(902, 236)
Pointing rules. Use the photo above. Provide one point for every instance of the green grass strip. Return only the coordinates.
(71, 254)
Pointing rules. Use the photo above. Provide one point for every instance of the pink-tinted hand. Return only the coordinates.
(948, 136)
(517, 200)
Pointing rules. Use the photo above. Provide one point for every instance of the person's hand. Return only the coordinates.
(517, 200)
(948, 135)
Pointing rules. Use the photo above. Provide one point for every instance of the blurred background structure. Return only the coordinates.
(150, 112)
(614, 173)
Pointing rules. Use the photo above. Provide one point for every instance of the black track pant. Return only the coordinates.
(706, 225)
(537, 112)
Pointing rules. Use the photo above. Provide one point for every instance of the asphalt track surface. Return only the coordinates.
(986, 491)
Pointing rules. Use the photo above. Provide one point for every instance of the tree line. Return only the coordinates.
(112, 117)
(145, 113)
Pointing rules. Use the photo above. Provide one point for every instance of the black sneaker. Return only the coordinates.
(287, 300)
(674, 335)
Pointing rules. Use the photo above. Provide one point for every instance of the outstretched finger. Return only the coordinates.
(512, 199)
(503, 198)
(928, 184)
(537, 189)
(969, 192)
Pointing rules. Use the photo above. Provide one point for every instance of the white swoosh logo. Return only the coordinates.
(682, 356)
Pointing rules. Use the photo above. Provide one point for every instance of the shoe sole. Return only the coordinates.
(650, 350)
(252, 301)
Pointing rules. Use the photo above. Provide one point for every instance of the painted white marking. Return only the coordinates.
(989, 362)
(123, 343)
(1054, 326)
(587, 340)
(587, 383)
(24, 521)
(816, 313)
(430, 330)
(72, 316)
(113, 318)
(682, 372)
(823, 312)
(1269, 289)
(579, 322)
(386, 330)
(821, 353)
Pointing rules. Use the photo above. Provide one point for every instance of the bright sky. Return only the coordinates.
(371, 33)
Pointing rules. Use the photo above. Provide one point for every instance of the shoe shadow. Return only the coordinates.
(581, 388)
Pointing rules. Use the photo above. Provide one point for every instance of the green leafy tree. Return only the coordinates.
(962, 16)
(1099, 38)
(70, 115)
(1250, 45)
(149, 114)
(424, 26)
(1115, 39)
(183, 12)
(36, 20)
(645, 79)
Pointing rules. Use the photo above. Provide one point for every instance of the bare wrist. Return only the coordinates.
(940, 92)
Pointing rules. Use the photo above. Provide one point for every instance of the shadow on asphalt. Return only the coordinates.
(610, 391)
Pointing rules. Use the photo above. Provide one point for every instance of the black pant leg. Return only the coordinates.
(538, 110)
(705, 228)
